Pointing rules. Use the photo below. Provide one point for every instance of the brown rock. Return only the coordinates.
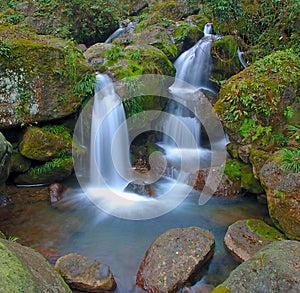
(173, 257)
(56, 191)
(85, 274)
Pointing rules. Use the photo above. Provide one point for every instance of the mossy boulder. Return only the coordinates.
(44, 144)
(275, 268)
(225, 58)
(5, 156)
(24, 270)
(41, 78)
(52, 171)
(19, 164)
(258, 105)
(246, 237)
(282, 186)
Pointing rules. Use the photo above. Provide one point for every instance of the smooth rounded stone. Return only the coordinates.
(56, 191)
(246, 237)
(24, 270)
(173, 257)
(86, 274)
(5, 155)
(275, 268)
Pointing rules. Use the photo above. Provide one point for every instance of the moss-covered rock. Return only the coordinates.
(19, 163)
(275, 268)
(52, 171)
(246, 237)
(44, 144)
(41, 78)
(225, 58)
(257, 105)
(282, 185)
(24, 270)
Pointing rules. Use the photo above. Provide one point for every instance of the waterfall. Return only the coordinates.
(109, 157)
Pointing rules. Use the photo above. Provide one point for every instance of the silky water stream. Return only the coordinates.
(97, 219)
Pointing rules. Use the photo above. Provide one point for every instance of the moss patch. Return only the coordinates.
(264, 230)
(221, 289)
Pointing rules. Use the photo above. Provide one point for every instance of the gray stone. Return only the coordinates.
(86, 274)
(275, 268)
(5, 155)
(173, 257)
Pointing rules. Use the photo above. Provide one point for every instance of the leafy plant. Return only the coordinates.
(290, 160)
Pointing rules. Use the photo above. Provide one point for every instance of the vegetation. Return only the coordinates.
(290, 160)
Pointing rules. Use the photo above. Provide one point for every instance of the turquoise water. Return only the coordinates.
(75, 225)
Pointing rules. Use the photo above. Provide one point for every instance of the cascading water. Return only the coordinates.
(106, 147)
(193, 70)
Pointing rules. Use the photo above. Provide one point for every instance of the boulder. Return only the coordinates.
(85, 274)
(258, 105)
(173, 257)
(43, 144)
(246, 237)
(5, 155)
(41, 78)
(52, 171)
(24, 270)
(283, 193)
(19, 164)
(275, 268)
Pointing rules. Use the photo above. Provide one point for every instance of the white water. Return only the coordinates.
(106, 147)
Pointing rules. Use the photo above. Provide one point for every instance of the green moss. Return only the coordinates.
(249, 182)
(221, 289)
(14, 275)
(233, 169)
(264, 230)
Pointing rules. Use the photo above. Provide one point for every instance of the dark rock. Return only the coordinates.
(24, 270)
(19, 163)
(85, 274)
(275, 268)
(283, 195)
(56, 191)
(173, 257)
(246, 237)
(5, 155)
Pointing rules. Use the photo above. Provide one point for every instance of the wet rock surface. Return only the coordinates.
(173, 257)
(246, 237)
(85, 274)
(275, 268)
(28, 271)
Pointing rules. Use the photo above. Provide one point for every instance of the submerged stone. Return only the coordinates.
(173, 257)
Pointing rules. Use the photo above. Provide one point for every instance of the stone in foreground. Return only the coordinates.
(275, 268)
(85, 274)
(246, 237)
(173, 257)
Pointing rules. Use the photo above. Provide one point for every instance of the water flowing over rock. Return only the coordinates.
(283, 195)
(85, 274)
(246, 237)
(275, 268)
(24, 270)
(173, 257)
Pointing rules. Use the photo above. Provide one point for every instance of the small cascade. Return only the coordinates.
(125, 27)
(109, 157)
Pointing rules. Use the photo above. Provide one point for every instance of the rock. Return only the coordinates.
(173, 257)
(275, 268)
(85, 274)
(43, 144)
(257, 159)
(52, 171)
(19, 164)
(24, 270)
(5, 155)
(41, 78)
(236, 180)
(246, 237)
(258, 117)
(283, 195)
(56, 191)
